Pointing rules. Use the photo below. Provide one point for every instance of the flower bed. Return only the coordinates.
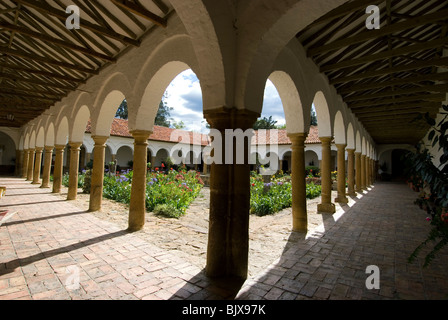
(268, 198)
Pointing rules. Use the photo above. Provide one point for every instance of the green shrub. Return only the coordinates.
(312, 170)
(87, 181)
(167, 210)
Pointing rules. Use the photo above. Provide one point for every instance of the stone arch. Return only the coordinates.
(268, 28)
(114, 90)
(33, 139)
(26, 141)
(203, 24)
(358, 142)
(311, 158)
(351, 143)
(79, 124)
(40, 138)
(62, 132)
(50, 135)
(323, 114)
(363, 146)
(172, 57)
(291, 101)
(339, 129)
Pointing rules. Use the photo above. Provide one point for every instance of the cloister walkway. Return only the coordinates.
(50, 244)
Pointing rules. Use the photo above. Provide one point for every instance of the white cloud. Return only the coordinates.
(185, 97)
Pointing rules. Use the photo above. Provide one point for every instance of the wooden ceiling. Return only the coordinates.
(386, 76)
(41, 61)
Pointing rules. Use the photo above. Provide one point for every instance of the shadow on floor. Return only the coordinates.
(20, 262)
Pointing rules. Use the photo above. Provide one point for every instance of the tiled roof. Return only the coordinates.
(280, 135)
(120, 128)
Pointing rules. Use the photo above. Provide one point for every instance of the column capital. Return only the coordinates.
(39, 149)
(350, 150)
(341, 145)
(59, 146)
(140, 136)
(297, 138)
(48, 148)
(75, 145)
(325, 140)
(100, 140)
(230, 118)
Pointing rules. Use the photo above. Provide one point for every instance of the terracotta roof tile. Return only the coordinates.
(120, 128)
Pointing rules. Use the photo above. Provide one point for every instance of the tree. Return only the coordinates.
(313, 118)
(178, 125)
(122, 111)
(163, 115)
(265, 123)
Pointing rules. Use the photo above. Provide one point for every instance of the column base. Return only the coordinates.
(326, 207)
(37, 182)
(45, 187)
(352, 194)
(341, 200)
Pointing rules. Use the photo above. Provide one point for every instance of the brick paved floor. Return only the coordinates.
(49, 244)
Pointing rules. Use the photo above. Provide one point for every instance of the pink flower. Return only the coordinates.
(428, 219)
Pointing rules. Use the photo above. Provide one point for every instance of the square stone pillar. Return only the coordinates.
(72, 193)
(341, 198)
(228, 236)
(351, 172)
(298, 182)
(137, 207)
(326, 205)
(97, 177)
(47, 166)
(58, 166)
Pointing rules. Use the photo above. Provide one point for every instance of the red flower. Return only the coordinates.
(157, 169)
(253, 184)
(163, 166)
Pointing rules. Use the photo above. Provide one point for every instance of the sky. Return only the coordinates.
(185, 97)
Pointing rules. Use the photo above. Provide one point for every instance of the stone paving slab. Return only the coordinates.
(51, 249)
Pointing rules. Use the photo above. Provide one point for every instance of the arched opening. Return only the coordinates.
(7, 154)
(124, 158)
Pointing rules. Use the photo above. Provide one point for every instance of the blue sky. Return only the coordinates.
(185, 96)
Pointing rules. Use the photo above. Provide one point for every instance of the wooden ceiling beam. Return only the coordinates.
(380, 102)
(58, 42)
(387, 93)
(41, 73)
(376, 34)
(442, 76)
(384, 55)
(141, 11)
(34, 57)
(36, 81)
(442, 62)
(61, 15)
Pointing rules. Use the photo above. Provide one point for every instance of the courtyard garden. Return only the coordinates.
(170, 192)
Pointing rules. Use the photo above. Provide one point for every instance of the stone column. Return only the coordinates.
(137, 208)
(75, 147)
(37, 165)
(368, 180)
(351, 172)
(18, 166)
(363, 171)
(326, 205)
(97, 177)
(228, 236)
(30, 170)
(57, 172)
(341, 198)
(299, 213)
(26, 158)
(358, 171)
(153, 162)
(47, 167)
